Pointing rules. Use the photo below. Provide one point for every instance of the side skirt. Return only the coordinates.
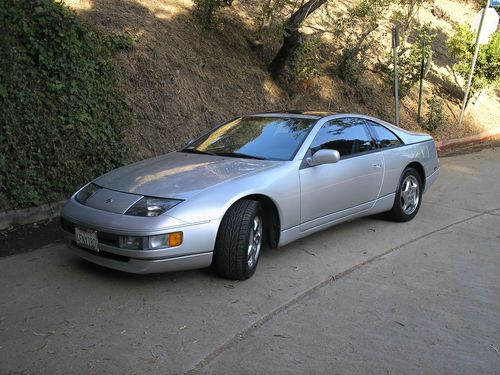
(382, 204)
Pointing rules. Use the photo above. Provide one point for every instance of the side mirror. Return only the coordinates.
(323, 157)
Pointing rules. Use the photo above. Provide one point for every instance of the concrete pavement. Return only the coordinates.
(368, 296)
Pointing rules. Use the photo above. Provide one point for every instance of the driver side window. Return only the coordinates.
(347, 135)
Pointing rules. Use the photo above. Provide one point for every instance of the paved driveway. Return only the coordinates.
(367, 296)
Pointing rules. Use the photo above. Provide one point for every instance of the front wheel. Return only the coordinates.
(408, 196)
(239, 241)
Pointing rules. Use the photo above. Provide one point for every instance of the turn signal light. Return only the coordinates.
(174, 239)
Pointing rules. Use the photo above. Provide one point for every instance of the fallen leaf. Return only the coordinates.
(280, 335)
(48, 333)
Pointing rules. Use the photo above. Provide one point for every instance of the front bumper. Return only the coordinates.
(195, 251)
(133, 265)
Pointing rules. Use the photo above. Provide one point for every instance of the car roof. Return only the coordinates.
(405, 135)
(294, 113)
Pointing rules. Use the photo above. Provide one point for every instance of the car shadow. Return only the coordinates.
(115, 276)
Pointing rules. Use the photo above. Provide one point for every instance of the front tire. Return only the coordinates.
(408, 196)
(239, 241)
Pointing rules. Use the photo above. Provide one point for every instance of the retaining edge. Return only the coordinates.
(484, 136)
(30, 215)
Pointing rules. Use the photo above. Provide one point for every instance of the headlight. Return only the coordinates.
(149, 206)
(84, 194)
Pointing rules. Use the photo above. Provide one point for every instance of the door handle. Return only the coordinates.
(377, 165)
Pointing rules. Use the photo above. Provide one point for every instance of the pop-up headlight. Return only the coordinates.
(151, 207)
(84, 194)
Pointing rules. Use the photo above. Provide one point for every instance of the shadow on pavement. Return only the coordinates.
(24, 238)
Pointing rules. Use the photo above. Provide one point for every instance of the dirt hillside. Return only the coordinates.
(180, 81)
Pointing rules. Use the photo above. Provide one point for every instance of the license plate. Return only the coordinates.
(87, 238)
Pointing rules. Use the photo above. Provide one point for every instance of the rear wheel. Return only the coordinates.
(239, 241)
(408, 196)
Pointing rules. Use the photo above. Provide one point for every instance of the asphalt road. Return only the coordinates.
(368, 296)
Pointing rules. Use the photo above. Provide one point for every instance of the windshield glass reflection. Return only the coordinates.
(271, 138)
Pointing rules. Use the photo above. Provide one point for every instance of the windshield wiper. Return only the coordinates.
(239, 155)
(195, 151)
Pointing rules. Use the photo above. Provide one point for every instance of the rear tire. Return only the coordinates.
(408, 196)
(239, 241)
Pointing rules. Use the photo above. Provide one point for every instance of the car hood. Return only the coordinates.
(179, 175)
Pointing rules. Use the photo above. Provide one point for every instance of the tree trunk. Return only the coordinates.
(293, 37)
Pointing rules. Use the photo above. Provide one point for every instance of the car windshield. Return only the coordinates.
(267, 138)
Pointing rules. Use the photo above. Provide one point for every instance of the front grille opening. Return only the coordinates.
(105, 254)
(108, 239)
(104, 238)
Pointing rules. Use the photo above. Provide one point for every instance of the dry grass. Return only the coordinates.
(177, 82)
(180, 81)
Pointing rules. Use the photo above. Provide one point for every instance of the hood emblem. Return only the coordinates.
(109, 200)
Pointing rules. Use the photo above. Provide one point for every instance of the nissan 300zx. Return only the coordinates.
(268, 178)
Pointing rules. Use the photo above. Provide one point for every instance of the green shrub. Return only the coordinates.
(435, 113)
(206, 11)
(305, 63)
(410, 58)
(355, 44)
(353, 64)
(487, 70)
(61, 115)
(117, 42)
(406, 13)
(272, 18)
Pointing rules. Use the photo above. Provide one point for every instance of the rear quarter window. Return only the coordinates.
(383, 136)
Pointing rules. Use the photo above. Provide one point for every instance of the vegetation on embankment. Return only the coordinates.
(64, 121)
(186, 74)
(61, 113)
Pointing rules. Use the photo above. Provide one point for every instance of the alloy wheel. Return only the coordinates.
(254, 242)
(410, 194)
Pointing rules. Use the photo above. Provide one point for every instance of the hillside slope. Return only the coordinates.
(180, 81)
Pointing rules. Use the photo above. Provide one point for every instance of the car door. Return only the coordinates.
(389, 144)
(333, 191)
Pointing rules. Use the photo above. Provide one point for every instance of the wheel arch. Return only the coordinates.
(421, 171)
(272, 222)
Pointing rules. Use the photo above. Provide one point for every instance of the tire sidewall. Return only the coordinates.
(230, 259)
(250, 271)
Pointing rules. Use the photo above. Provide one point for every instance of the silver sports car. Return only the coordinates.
(267, 178)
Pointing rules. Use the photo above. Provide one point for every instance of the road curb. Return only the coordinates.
(30, 215)
(481, 137)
